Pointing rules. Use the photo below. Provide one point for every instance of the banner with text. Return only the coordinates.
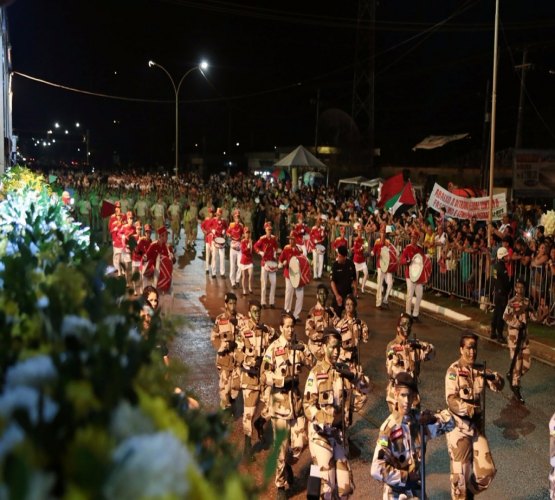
(466, 208)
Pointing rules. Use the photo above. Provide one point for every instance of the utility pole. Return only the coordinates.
(524, 67)
(317, 118)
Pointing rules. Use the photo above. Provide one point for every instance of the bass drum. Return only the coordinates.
(420, 269)
(299, 271)
(389, 259)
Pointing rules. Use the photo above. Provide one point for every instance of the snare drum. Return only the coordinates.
(236, 245)
(320, 249)
(219, 242)
(270, 266)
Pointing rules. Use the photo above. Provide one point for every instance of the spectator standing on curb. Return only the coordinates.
(501, 289)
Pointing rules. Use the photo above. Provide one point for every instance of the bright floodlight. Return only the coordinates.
(203, 65)
(151, 63)
(77, 124)
(57, 125)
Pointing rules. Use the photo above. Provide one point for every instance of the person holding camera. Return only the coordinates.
(332, 393)
(404, 354)
(281, 366)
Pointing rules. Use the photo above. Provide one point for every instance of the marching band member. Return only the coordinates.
(382, 241)
(340, 241)
(358, 249)
(317, 239)
(245, 263)
(289, 251)
(302, 233)
(208, 237)
(267, 248)
(235, 233)
(218, 226)
(417, 289)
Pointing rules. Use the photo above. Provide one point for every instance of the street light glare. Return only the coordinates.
(203, 65)
(151, 63)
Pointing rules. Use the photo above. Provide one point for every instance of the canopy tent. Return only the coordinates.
(353, 180)
(372, 183)
(301, 157)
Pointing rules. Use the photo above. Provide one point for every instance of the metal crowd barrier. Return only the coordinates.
(466, 275)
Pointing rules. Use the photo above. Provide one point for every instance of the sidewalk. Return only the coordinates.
(542, 338)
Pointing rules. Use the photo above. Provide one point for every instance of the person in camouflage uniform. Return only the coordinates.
(516, 316)
(281, 367)
(472, 467)
(190, 224)
(174, 214)
(404, 354)
(398, 453)
(253, 340)
(157, 212)
(353, 331)
(330, 397)
(552, 458)
(318, 319)
(223, 338)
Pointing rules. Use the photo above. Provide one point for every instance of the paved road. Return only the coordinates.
(518, 434)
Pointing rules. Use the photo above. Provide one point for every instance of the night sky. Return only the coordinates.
(268, 60)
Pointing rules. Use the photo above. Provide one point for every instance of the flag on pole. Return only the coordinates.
(401, 201)
(390, 188)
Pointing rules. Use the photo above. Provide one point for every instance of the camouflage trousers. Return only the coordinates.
(293, 444)
(229, 385)
(190, 232)
(252, 401)
(175, 225)
(389, 494)
(472, 466)
(329, 455)
(522, 363)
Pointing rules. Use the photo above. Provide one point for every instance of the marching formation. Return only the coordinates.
(264, 364)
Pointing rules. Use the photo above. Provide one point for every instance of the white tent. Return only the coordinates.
(373, 183)
(301, 157)
(353, 180)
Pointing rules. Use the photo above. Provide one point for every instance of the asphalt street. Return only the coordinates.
(518, 435)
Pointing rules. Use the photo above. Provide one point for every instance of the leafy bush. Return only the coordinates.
(86, 404)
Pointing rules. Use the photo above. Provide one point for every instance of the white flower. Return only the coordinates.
(11, 437)
(43, 302)
(149, 466)
(76, 326)
(29, 399)
(128, 421)
(33, 372)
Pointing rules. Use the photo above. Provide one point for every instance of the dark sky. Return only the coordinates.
(433, 61)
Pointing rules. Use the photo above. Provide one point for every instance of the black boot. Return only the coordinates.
(247, 450)
(281, 494)
(259, 426)
(289, 476)
(518, 395)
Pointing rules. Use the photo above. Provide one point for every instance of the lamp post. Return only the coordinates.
(176, 88)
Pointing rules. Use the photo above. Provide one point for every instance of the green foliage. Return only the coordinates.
(85, 410)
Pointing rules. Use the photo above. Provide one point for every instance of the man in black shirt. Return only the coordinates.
(501, 289)
(344, 280)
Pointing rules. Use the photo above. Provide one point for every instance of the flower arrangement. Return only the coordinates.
(87, 407)
(547, 220)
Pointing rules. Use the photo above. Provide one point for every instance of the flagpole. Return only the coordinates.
(493, 117)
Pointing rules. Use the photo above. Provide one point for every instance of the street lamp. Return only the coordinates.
(176, 88)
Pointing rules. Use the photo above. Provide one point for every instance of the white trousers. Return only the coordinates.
(207, 255)
(299, 296)
(412, 290)
(116, 259)
(220, 254)
(317, 264)
(265, 276)
(361, 267)
(234, 271)
(388, 277)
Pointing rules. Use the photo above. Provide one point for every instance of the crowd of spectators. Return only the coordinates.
(462, 251)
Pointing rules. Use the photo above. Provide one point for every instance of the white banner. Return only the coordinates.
(465, 208)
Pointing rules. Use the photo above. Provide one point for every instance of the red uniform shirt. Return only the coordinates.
(268, 246)
(235, 232)
(340, 241)
(246, 252)
(358, 250)
(218, 227)
(300, 230)
(317, 235)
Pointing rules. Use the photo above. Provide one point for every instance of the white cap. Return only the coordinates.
(388, 229)
(502, 252)
(356, 225)
(323, 217)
